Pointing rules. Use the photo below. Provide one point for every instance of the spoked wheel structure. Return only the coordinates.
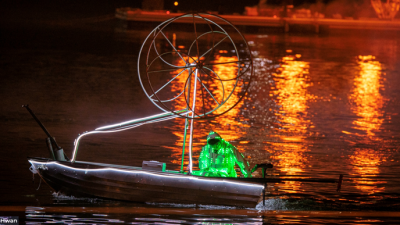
(198, 62)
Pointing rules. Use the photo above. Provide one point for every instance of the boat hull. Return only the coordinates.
(138, 185)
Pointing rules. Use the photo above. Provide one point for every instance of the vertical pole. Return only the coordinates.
(184, 143)
(192, 120)
(50, 147)
(265, 185)
(286, 26)
(339, 185)
(187, 107)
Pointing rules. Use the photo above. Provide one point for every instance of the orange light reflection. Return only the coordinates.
(367, 104)
(366, 97)
(229, 119)
(291, 82)
(226, 125)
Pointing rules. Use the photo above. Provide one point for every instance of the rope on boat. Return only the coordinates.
(40, 181)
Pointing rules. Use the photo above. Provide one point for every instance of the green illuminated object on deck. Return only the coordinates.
(218, 159)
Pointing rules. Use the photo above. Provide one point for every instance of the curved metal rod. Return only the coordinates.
(134, 121)
(230, 94)
(202, 95)
(197, 43)
(194, 91)
(171, 98)
(190, 48)
(155, 48)
(194, 97)
(220, 80)
(164, 24)
(124, 126)
(212, 96)
(213, 46)
(166, 108)
(191, 121)
(168, 82)
(208, 21)
(237, 54)
(197, 37)
(245, 42)
(187, 103)
(188, 87)
(160, 31)
(219, 105)
(233, 43)
(139, 57)
(164, 70)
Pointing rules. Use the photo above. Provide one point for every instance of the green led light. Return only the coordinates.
(218, 159)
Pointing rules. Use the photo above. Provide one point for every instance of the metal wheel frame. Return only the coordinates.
(158, 31)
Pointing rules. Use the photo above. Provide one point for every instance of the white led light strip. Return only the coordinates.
(126, 126)
(175, 176)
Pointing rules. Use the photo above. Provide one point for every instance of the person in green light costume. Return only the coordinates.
(218, 159)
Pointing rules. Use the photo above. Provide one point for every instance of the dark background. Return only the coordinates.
(63, 9)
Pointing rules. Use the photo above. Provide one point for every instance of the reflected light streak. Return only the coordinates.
(367, 104)
(368, 101)
(291, 82)
(366, 163)
(225, 71)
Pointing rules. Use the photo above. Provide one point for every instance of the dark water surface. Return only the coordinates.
(320, 106)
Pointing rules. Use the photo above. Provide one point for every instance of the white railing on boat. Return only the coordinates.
(129, 125)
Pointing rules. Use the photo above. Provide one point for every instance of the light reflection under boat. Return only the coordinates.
(204, 215)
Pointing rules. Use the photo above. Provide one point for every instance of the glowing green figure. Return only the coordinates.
(218, 159)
